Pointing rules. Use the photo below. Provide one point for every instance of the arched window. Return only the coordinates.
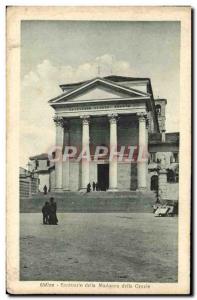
(158, 109)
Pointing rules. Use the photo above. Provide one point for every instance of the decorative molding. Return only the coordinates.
(142, 116)
(96, 81)
(98, 107)
(85, 119)
(62, 122)
(59, 121)
(113, 118)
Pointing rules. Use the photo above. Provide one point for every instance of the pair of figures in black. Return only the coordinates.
(95, 187)
(49, 212)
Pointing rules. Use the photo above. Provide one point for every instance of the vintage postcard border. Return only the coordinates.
(14, 17)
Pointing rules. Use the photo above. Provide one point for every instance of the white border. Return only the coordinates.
(3, 4)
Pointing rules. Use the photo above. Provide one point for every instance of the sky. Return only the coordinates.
(57, 52)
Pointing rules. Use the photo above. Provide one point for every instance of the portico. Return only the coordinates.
(101, 113)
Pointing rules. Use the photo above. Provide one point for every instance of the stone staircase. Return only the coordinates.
(124, 201)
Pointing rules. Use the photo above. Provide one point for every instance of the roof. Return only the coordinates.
(158, 100)
(42, 156)
(102, 81)
(114, 78)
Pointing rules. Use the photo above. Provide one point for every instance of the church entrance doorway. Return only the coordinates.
(103, 176)
(154, 183)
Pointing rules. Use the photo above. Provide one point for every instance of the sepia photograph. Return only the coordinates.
(100, 140)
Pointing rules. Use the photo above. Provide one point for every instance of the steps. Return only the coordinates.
(124, 201)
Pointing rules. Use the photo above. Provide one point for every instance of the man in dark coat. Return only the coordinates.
(97, 186)
(52, 212)
(45, 213)
(93, 185)
(45, 189)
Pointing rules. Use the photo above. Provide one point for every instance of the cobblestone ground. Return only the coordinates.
(99, 247)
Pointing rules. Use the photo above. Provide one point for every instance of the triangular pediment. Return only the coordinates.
(98, 89)
(98, 93)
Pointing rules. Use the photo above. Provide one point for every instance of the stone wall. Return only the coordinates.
(172, 191)
(52, 179)
(124, 176)
(127, 176)
(75, 176)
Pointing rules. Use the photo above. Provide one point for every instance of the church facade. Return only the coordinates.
(110, 131)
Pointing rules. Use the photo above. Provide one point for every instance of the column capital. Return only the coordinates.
(85, 119)
(113, 118)
(59, 121)
(142, 116)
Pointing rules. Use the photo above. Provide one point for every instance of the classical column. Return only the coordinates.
(142, 163)
(59, 122)
(85, 163)
(113, 181)
(66, 162)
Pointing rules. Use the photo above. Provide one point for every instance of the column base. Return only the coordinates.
(83, 190)
(142, 189)
(58, 190)
(66, 190)
(112, 190)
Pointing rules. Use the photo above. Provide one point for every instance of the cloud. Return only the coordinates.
(37, 131)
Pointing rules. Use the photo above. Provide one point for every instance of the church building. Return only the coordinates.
(111, 114)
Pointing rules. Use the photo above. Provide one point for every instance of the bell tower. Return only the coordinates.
(160, 107)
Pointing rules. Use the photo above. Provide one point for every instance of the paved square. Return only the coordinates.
(132, 247)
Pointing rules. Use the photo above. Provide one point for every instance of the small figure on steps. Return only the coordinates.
(94, 186)
(88, 187)
(45, 189)
(97, 186)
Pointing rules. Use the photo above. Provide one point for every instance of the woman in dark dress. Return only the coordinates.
(52, 212)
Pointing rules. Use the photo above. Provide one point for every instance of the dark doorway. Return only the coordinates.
(154, 183)
(103, 176)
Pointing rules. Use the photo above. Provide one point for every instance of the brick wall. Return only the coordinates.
(24, 187)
